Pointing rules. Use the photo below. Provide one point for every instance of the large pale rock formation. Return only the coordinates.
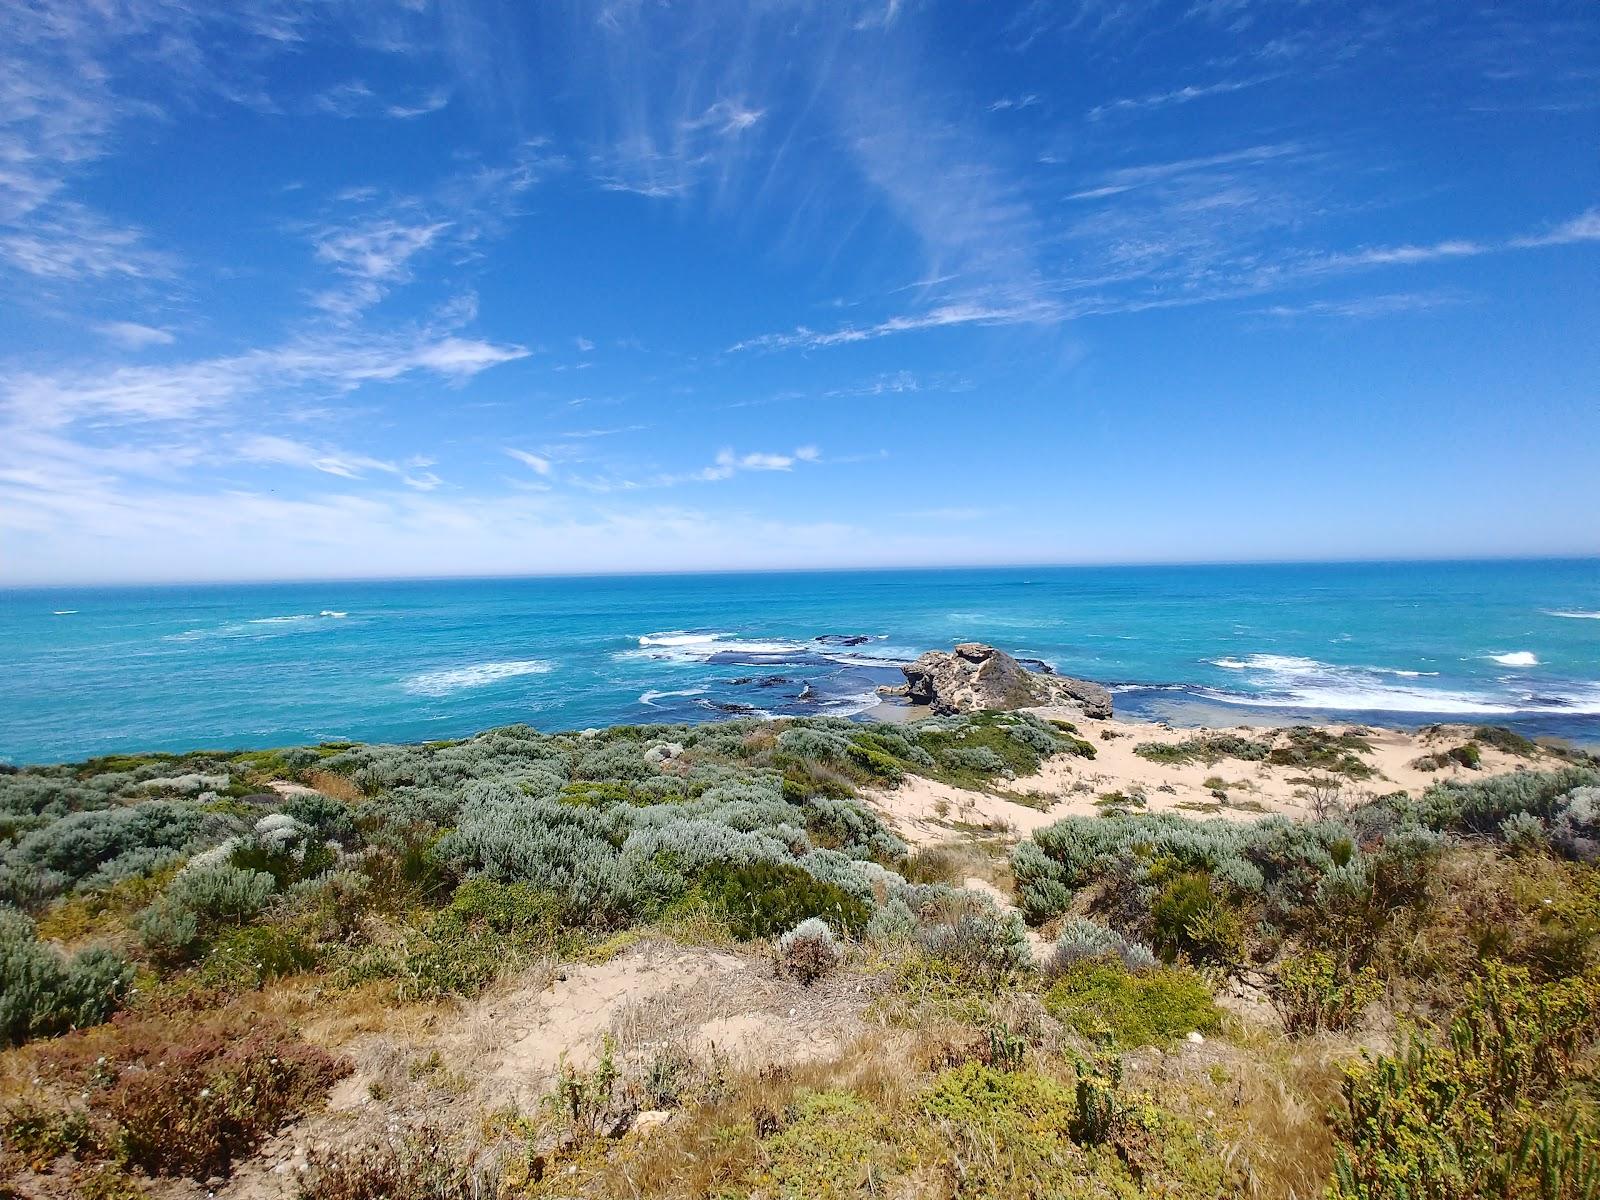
(975, 676)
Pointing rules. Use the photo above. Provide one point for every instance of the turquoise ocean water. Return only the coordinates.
(95, 670)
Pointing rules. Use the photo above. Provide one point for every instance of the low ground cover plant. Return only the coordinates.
(1001, 1061)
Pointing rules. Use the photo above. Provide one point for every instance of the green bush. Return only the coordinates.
(1500, 738)
(1182, 902)
(248, 957)
(766, 899)
(1482, 1110)
(488, 928)
(1081, 939)
(1102, 999)
(1317, 991)
(43, 994)
(221, 894)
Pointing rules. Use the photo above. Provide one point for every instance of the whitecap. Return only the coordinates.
(454, 679)
(1290, 682)
(63, 612)
(1516, 658)
(1574, 614)
(1279, 663)
(650, 698)
(328, 612)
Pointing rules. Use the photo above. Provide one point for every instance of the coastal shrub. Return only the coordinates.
(1187, 918)
(1523, 833)
(1507, 741)
(973, 748)
(515, 838)
(168, 930)
(1478, 807)
(488, 928)
(1575, 827)
(976, 759)
(1103, 999)
(1316, 991)
(221, 894)
(1209, 749)
(809, 950)
(763, 899)
(192, 1096)
(817, 744)
(1468, 755)
(43, 993)
(974, 938)
(1081, 939)
(893, 921)
(1483, 1109)
(98, 848)
(416, 1164)
(324, 818)
(246, 958)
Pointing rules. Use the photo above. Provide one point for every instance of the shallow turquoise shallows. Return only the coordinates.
(92, 671)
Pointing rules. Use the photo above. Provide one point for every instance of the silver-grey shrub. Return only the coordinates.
(220, 894)
(1081, 939)
(100, 847)
(43, 993)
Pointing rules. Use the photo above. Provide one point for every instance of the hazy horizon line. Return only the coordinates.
(469, 577)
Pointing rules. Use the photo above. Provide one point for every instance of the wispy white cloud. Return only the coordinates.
(1360, 308)
(537, 462)
(179, 391)
(1585, 227)
(373, 257)
(66, 241)
(356, 98)
(133, 336)
(1176, 96)
(280, 451)
(1042, 312)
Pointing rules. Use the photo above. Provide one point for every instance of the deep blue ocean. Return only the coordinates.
(90, 671)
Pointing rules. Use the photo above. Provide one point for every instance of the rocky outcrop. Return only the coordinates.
(975, 676)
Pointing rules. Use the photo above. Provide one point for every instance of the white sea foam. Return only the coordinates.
(1292, 682)
(1282, 663)
(1516, 658)
(63, 612)
(454, 679)
(296, 618)
(680, 646)
(650, 698)
(1574, 614)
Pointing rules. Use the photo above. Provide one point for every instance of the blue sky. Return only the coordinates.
(479, 287)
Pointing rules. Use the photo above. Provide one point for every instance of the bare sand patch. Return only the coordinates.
(926, 812)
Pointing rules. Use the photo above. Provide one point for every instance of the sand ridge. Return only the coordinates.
(927, 812)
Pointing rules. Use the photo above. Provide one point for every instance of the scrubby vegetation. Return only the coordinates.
(1396, 999)
(1304, 746)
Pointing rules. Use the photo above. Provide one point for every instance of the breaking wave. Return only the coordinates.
(682, 646)
(1574, 614)
(1515, 658)
(1287, 681)
(455, 679)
